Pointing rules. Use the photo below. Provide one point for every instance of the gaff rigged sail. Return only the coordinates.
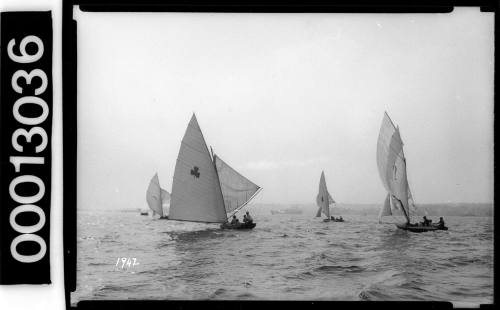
(392, 165)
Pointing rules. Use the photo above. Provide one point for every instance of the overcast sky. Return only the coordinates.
(281, 97)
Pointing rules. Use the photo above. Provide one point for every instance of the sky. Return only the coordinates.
(282, 97)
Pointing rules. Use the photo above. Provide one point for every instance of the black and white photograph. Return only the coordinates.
(285, 156)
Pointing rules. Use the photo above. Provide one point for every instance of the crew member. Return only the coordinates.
(234, 220)
(248, 218)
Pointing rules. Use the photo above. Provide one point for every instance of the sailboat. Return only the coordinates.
(205, 188)
(324, 200)
(157, 197)
(391, 164)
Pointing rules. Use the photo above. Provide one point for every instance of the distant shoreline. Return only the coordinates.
(431, 209)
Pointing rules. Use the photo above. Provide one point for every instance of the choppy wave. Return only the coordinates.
(284, 257)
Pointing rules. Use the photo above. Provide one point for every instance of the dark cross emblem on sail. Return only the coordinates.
(195, 172)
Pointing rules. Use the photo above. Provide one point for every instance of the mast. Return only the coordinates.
(403, 208)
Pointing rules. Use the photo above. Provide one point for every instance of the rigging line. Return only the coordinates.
(244, 204)
(403, 208)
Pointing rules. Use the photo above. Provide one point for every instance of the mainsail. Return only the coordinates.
(392, 165)
(196, 192)
(323, 199)
(236, 189)
(320, 209)
(155, 195)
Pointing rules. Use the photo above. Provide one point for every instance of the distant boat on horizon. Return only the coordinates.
(205, 188)
(391, 163)
(324, 200)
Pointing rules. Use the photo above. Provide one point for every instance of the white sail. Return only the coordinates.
(165, 196)
(318, 202)
(196, 192)
(237, 190)
(392, 164)
(386, 208)
(330, 199)
(153, 195)
(165, 201)
(322, 199)
(157, 196)
(318, 214)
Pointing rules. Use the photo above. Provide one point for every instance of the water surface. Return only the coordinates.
(284, 257)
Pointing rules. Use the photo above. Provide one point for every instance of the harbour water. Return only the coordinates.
(286, 257)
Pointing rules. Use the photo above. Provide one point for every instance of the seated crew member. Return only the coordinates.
(441, 222)
(340, 218)
(248, 218)
(234, 220)
(426, 221)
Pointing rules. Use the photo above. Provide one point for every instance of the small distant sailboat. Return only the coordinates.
(391, 164)
(205, 188)
(157, 197)
(324, 200)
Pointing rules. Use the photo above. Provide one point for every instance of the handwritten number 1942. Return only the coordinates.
(127, 262)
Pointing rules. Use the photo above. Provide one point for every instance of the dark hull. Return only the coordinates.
(238, 226)
(144, 213)
(163, 217)
(420, 228)
(327, 220)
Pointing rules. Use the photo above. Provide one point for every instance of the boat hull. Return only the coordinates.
(327, 220)
(238, 226)
(420, 228)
